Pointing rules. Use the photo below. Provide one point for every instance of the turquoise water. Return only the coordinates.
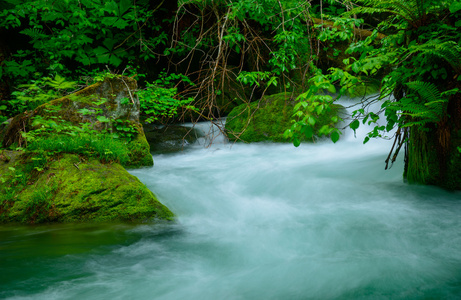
(257, 221)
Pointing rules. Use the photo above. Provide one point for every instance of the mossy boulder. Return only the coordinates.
(110, 105)
(267, 119)
(72, 189)
(139, 150)
(7, 159)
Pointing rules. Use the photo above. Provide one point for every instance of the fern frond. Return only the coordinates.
(365, 10)
(33, 33)
(427, 91)
(423, 104)
(430, 109)
(450, 51)
(409, 10)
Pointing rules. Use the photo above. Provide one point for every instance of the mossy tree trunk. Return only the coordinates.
(433, 153)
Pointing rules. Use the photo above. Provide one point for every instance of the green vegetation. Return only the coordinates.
(102, 147)
(71, 188)
(199, 59)
(85, 123)
(268, 119)
(95, 128)
(420, 63)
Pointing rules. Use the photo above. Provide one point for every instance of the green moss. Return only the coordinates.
(453, 180)
(424, 163)
(139, 151)
(72, 190)
(265, 120)
(4, 157)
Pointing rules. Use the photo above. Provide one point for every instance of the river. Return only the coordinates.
(259, 221)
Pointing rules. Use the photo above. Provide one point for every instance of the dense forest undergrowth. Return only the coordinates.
(200, 59)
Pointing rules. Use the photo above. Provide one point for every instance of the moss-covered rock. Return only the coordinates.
(71, 189)
(266, 120)
(7, 159)
(109, 105)
(139, 151)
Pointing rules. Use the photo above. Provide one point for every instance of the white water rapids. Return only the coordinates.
(271, 221)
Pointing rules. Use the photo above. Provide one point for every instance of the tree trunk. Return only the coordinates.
(433, 155)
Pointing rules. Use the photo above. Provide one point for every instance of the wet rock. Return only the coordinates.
(172, 138)
(70, 189)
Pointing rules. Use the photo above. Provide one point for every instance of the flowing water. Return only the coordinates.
(260, 221)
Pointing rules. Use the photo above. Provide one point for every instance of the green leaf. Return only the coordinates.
(319, 109)
(111, 7)
(335, 136)
(124, 6)
(455, 6)
(272, 81)
(102, 119)
(100, 51)
(121, 24)
(309, 132)
(85, 111)
(115, 60)
(296, 142)
(354, 125)
(331, 88)
(109, 21)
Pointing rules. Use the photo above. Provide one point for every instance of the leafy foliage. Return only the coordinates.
(271, 46)
(311, 106)
(424, 58)
(85, 33)
(37, 92)
(160, 99)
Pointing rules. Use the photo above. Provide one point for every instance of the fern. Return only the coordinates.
(414, 12)
(448, 51)
(60, 83)
(405, 9)
(427, 91)
(33, 33)
(430, 108)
